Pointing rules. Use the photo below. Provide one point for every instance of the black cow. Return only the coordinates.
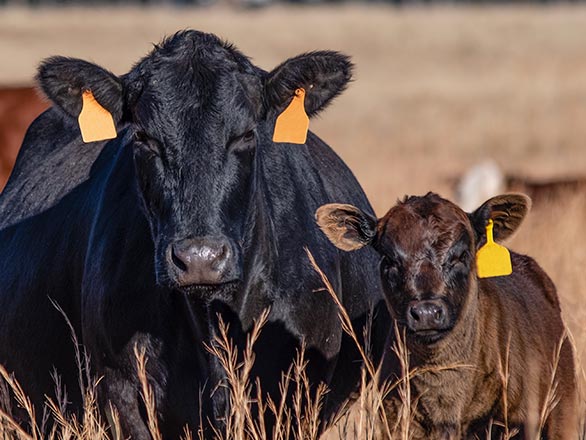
(192, 211)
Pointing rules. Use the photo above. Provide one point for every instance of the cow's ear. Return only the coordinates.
(346, 226)
(63, 80)
(323, 75)
(507, 212)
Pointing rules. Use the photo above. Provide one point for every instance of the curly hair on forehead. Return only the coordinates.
(440, 217)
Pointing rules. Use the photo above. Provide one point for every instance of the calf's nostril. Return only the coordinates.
(414, 313)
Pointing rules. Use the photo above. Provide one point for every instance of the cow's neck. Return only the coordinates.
(259, 252)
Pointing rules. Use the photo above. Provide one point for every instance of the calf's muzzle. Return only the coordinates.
(427, 315)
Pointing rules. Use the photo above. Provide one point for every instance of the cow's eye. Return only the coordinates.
(248, 136)
(146, 143)
(242, 143)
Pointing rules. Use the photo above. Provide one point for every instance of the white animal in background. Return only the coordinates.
(487, 179)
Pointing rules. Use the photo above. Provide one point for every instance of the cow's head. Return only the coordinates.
(199, 112)
(428, 248)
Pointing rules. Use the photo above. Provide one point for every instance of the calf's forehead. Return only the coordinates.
(419, 225)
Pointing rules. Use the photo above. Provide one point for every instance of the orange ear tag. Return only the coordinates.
(492, 259)
(95, 122)
(292, 125)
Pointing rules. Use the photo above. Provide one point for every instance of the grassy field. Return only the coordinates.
(436, 90)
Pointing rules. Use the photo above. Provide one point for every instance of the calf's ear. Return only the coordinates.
(322, 74)
(346, 226)
(507, 212)
(63, 80)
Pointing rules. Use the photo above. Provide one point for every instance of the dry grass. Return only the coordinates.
(437, 89)
(296, 413)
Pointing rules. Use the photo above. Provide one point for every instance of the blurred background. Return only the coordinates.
(439, 88)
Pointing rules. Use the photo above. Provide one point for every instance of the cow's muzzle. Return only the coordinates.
(203, 261)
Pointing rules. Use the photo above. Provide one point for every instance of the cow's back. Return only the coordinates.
(18, 108)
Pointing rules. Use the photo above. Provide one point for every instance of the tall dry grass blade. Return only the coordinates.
(505, 376)
(147, 393)
(342, 314)
(307, 405)
(404, 391)
(82, 362)
(346, 323)
(67, 429)
(91, 426)
(239, 422)
(23, 401)
(114, 422)
(262, 409)
(298, 367)
(281, 412)
(552, 398)
(186, 434)
(11, 429)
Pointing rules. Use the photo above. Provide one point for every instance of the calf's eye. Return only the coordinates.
(389, 267)
(459, 259)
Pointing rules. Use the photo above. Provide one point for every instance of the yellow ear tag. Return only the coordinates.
(292, 125)
(492, 259)
(95, 122)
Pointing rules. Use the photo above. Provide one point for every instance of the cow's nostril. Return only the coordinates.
(177, 261)
(439, 314)
(221, 253)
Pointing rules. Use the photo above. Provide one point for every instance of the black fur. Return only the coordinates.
(90, 225)
(63, 80)
(323, 75)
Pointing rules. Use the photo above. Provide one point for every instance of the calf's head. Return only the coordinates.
(198, 114)
(428, 248)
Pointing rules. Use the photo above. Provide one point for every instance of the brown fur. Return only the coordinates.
(515, 318)
(19, 106)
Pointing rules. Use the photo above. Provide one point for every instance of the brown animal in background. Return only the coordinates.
(546, 191)
(19, 106)
(451, 317)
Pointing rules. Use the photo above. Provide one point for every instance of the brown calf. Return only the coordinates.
(453, 318)
(19, 106)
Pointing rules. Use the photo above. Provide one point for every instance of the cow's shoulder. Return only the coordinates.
(338, 180)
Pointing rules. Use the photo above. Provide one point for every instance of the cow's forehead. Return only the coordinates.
(420, 224)
(193, 49)
(196, 86)
(192, 72)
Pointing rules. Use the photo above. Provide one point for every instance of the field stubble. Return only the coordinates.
(437, 89)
